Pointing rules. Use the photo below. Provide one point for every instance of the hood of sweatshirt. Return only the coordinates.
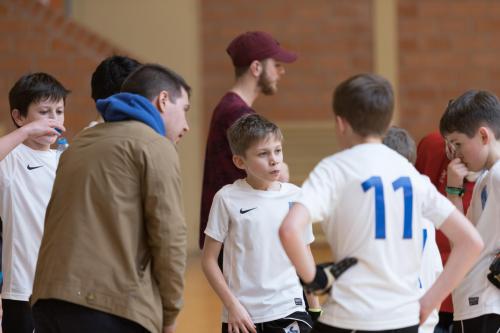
(127, 106)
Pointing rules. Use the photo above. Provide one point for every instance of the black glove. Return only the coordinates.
(326, 273)
(494, 275)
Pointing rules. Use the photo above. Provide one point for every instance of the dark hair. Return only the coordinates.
(150, 79)
(109, 75)
(33, 88)
(240, 71)
(401, 141)
(249, 129)
(473, 109)
(366, 102)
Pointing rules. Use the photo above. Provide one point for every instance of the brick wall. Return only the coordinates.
(37, 38)
(445, 48)
(332, 37)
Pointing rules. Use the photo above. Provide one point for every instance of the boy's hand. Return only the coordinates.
(456, 173)
(426, 309)
(169, 328)
(239, 320)
(326, 273)
(494, 275)
(43, 127)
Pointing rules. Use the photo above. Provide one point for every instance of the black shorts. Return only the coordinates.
(322, 328)
(17, 316)
(489, 323)
(297, 322)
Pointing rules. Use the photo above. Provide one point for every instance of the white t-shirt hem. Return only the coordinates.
(485, 310)
(16, 297)
(264, 319)
(332, 320)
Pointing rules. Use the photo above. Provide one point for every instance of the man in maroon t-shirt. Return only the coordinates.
(257, 58)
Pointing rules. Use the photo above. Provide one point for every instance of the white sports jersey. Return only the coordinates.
(256, 267)
(476, 295)
(26, 179)
(429, 272)
(373, 203)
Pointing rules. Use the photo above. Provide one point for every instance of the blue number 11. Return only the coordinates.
(401, 182)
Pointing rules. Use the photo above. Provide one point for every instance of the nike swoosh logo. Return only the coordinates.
(242, 211)
(35, 167)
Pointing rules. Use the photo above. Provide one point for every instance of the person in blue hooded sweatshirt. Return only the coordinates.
(113, 254)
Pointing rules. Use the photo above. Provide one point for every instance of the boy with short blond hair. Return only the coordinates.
(373, 203)
(258, 285)
(471, 124)
(27, 172)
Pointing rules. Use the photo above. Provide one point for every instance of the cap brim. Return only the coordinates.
(284, 56)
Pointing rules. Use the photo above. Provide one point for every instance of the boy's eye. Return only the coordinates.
(59, 111)
(262, 153)
(278, 151)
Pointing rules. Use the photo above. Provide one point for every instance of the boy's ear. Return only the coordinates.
(17, 117)
(484, 135)
(341, 124)
(239, 162)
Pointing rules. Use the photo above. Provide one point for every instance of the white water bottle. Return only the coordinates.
(62, 144)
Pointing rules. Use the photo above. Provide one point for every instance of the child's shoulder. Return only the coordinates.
(494, 172)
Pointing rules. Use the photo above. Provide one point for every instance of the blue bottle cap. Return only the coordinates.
(62, 141)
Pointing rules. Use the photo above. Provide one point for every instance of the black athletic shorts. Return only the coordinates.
(297, 322)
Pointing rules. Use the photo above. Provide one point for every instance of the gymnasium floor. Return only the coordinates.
(202, 308)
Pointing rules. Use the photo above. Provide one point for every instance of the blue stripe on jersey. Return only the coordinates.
(484, 197)
(424, 233)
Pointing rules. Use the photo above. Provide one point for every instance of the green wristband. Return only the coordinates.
(455, 190)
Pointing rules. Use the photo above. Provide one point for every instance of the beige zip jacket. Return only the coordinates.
(115, 236)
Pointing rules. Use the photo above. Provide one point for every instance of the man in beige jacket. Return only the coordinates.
(113, 253)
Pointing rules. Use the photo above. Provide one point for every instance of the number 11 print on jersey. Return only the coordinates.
(403, 183)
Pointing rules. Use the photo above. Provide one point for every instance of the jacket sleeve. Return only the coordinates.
(165, 225)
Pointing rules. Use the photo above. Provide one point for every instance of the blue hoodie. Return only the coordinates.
(127, 106)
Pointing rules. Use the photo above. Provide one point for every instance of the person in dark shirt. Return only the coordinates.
(258, 64)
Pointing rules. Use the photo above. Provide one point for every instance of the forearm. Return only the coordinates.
(466, 247)
(313, 301)
(298, 251)
(457, 201)
(217, 282)
(169, 263)
(11, 141)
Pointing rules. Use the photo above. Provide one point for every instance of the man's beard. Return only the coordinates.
(265, 85)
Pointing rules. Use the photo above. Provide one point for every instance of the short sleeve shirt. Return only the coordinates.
(476, 295)
(26, 180)
(373, 203)
(255, 266)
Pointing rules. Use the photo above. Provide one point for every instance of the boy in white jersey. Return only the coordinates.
(400, 140)
(471, 124)
(27, 171)
(259, 287)
(373, 202)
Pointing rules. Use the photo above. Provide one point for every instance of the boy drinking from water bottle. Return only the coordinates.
(27, 172)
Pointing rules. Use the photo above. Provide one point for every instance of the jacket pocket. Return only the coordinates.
(143, 264)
